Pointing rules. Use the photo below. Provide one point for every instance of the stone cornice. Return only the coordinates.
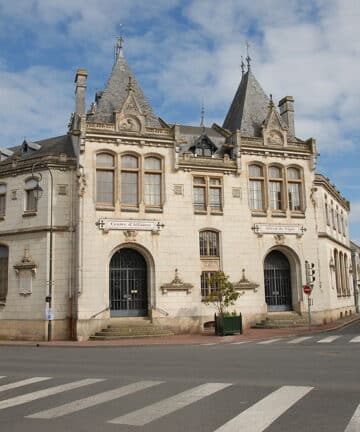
(329, 237)
(19, 231)
(330, 188)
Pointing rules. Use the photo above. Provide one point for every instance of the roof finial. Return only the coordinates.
(242, 66)
(202, 124)
(129, 87)
(271, 103)
(248, 58)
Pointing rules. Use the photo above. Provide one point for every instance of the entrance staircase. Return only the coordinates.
(122, 328)
(282, 320)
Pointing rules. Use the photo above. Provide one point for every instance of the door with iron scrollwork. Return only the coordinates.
(277, 278)
(128, 284)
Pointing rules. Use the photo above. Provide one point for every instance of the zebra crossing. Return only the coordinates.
(295, 341)
(256, 417)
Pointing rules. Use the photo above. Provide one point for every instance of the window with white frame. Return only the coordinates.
(275, 188)
(2, 199)
(208, 286)
(105, 174)
(130, 180)
(256, 187)
(30, 200)
(294, 185)
(152, 181)
(207, 193)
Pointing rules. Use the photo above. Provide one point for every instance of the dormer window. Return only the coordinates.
(203, 147)
(28, 146)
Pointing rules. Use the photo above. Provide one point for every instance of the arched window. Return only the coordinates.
(152, 181)
(209, 244)
(105, 172)
(276, 188)
(256, 187)
(4, 264)
(130, 180)
(341, 273)
(346, 275)
(30, 200)
(294, 186)
(2, 199)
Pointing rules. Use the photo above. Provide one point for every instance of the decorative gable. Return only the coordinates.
(130, 117)
(274, 133)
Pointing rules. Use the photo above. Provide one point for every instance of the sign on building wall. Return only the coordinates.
(120, 224)
(279, 229)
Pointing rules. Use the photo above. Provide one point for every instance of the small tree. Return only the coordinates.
(222, 294)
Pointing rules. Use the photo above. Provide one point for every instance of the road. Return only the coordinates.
(290, 384)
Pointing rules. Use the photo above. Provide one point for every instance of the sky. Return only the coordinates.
(184, 52)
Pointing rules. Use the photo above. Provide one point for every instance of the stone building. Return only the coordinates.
(129, 216)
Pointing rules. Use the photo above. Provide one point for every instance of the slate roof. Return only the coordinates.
(115, 93)
(249, 107)
(48, 147)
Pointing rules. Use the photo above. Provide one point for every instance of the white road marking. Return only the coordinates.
(210, 343)
(328, 339)
(28, 397)
(269, 341)
(300, 339)
(354, 424)
(93, 400)
(259, 416)
(356, 339)
(159, 409)
(23, 383)
(239, 343)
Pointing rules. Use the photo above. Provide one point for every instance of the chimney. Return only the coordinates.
(80, 91)
(286, 106)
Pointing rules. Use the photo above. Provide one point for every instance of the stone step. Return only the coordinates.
(111, 337)
(131, 329)
(278, 320)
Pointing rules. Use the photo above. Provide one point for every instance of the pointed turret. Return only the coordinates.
(116, 92)
(249, 107)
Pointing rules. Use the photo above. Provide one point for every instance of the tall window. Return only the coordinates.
(275, 188)
(209, 244)
(256, 187)
(337, 272)
(30, 201)
(346, 271)
(2, 199)
(105, 172)
(207, 192)
(294, 189)
(152, 181)
(207, 285)
(327, 217)
(130, 180)
(4, 261)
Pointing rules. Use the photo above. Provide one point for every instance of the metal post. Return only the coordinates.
(49, 296)
(309, 311)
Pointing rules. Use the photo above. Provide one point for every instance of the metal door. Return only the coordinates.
(128, 284)
(277, 282)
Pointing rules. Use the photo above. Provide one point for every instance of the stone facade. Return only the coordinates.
(181, 202)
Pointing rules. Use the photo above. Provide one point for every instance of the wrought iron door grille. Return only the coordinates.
(277, 282)
(128, 284)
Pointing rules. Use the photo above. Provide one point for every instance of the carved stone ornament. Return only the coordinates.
(129, 124)
(25, 271)
(279, 238)
(275, 138)
(82, 184)
(130, 235)
(177, 285)
(245, 284)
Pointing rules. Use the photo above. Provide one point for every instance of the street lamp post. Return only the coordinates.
(37, 194)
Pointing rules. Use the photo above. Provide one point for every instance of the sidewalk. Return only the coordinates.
(194, 339)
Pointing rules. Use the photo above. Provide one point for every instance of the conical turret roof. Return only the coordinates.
(249, 107)
(115, 94)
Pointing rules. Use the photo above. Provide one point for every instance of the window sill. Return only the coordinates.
(130, 209)
(216, 212)
(105, 208)
(278, 214)
(258, 213)
(299, 215)
(200, 212)
(29, 213)
(153, 210)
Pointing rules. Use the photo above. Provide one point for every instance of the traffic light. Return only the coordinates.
(310, 273)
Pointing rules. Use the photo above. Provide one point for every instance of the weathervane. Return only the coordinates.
(119, 44)
(202, 124)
